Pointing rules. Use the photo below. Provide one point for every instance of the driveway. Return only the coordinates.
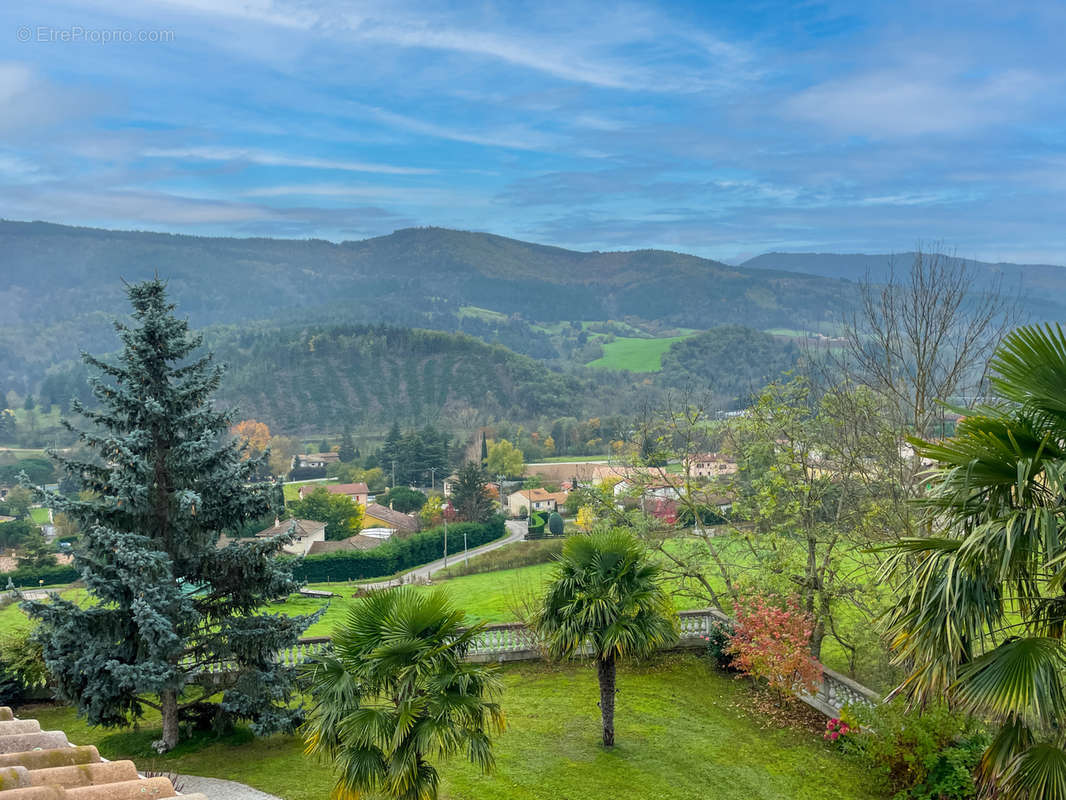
(516, 531)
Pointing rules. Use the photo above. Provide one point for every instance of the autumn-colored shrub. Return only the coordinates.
(771, 641)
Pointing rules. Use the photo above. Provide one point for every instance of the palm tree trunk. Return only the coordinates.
(606, 672)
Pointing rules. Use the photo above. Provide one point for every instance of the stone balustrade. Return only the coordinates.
(516, 642)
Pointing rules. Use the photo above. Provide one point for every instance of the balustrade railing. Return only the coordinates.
(514, 641)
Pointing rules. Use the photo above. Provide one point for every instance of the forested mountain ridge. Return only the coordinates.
(1043, 286)
(61, 285)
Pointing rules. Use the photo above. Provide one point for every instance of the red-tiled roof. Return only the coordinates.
(347, 488)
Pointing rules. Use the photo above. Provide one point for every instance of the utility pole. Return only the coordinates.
(432, 474)
(500, 479)
(446, 540)
(466, 551)
(393, 484)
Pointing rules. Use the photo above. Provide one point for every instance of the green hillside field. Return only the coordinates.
(635, 355)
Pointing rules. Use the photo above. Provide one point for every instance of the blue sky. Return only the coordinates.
(725, 129)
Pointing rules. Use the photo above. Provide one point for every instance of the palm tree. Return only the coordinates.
(395, 690)
(983, 614)
(606, 599)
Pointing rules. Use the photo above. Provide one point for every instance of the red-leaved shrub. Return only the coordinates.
(771, 640)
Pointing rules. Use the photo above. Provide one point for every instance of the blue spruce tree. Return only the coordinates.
(166, 482)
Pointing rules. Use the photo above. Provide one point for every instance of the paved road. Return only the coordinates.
(218, 789)
(516, 530)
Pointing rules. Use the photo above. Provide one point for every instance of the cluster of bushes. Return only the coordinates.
(926, 755)
(396, 554)
(519, 554)
(542, 525)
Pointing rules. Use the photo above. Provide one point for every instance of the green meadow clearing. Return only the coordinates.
(635, 355)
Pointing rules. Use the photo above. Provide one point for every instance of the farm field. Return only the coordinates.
(682, 728)
(635, 355)
(570, 459)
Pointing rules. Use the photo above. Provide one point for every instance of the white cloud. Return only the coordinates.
(598, 47)
(397, 194)
(273, 159)
(920, 99)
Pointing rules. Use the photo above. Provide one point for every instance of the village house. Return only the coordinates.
(314, 460)
(709, 465)
(534, 500)
(448, 484)
(381, 517)
(357, 491)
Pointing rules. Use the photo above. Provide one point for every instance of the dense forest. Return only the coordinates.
(306, 380)
(731, 361)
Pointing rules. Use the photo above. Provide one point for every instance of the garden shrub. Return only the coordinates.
(927, 755)
(719, 639)
(555, 524)
(535, 529)
(771, 641)
(22, 668)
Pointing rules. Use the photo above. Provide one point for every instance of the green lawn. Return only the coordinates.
(635, 355)
(683, 730)
(292, 490)
(39, 515)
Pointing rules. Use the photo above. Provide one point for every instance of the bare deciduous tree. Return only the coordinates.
(925, 338)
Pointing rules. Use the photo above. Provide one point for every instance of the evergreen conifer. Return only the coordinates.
(166, 480)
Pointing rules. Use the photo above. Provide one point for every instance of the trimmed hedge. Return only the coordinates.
(396, 555)
(27, 578)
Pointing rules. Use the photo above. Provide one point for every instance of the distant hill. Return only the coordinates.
(62, 284)
(1042, 286)
(312, 379)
